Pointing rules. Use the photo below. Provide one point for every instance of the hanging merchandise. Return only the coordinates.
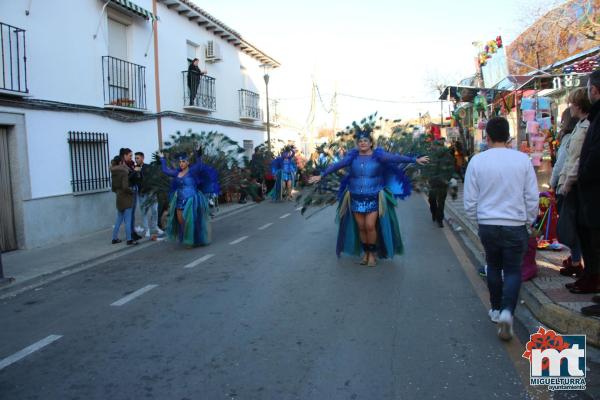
(480, 103)
(527, 103)
(545, 122)
(529, 115)
(533, 127)
(543, 103)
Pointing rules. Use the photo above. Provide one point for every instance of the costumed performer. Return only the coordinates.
(366, 211)
(189, 219)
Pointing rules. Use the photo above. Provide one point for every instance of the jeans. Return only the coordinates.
(152, 223)
(123, 217)
(134, 207)
(505, 247)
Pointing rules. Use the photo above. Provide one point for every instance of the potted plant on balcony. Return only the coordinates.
(123, 102)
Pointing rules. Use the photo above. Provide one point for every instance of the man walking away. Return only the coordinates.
(439, 171)
(588, 190)
(501, 193)
(146, 205)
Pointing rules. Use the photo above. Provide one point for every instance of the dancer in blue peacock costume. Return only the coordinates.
(367, 199)
(284, 170)
(189, 219)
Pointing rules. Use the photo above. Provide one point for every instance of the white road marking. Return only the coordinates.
(133, 295)
(28, 350)
(284, 216)
(198, 261)
(265, 226)
(236, 241)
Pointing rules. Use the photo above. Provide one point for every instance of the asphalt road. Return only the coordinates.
(265, 312)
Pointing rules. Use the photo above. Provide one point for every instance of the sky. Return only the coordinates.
(378, 49)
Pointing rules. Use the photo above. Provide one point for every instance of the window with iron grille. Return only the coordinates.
(89, 161)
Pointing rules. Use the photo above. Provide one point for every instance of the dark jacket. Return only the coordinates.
(588, 177)
(120, 185)
(193, 76)
(440, 168)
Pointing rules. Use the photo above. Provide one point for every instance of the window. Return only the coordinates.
(192, 51)
(117, 39)
(249, 148)
(89, 161)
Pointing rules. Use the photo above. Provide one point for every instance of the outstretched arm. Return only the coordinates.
(389, 158)
(165, 169)
(346, 161)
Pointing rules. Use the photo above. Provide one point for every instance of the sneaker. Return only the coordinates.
(147, 235)
(160, 231)
(505, 325)
(483, 271)
(494, 315)
(138, 229)
(132, 243)
(115, 241)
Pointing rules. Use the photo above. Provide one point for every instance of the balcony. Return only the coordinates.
(199, 92)
(13, 65)
(249, 106)
(124, 84)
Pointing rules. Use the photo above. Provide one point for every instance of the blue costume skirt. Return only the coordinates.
(196, 220)
(389, 240)
(364, 203)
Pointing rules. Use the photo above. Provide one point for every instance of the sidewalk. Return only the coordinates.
(545, 295)
(30, 267)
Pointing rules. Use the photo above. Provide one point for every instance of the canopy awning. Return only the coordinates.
(133, 8)
(466, 94)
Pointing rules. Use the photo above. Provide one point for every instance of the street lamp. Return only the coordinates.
(267, 68)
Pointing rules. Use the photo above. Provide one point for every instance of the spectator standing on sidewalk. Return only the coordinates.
(501, 194)
(146, 203)
(588, 192)
(566, 192)
(126, 156)
(120, 185)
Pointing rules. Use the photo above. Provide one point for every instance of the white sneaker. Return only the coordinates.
(160, 231)
(138, 229)
(494, 315)
(147, 235)
(505, 325)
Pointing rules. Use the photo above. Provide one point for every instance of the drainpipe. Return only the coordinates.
(156, 76)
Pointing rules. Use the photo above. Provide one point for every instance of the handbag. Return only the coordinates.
(566, 229)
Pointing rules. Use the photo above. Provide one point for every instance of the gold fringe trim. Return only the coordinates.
(345, 204)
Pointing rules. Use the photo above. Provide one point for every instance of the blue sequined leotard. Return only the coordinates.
(366, 178)
(186, 188)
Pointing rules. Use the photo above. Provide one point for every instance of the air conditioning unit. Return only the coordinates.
(212, 52)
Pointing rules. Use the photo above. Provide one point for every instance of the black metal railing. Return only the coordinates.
(124, 83)
(89, 161)
(13, 68)
(199, 91)
(249, 105)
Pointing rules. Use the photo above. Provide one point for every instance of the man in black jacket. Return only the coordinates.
(193, 79)
(588, 191)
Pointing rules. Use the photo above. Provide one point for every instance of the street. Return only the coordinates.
(265, 312)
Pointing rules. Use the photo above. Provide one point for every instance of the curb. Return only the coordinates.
(541, 306)
(21, 286)
(17, 287)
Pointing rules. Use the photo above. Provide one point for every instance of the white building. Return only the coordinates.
(82, 78)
